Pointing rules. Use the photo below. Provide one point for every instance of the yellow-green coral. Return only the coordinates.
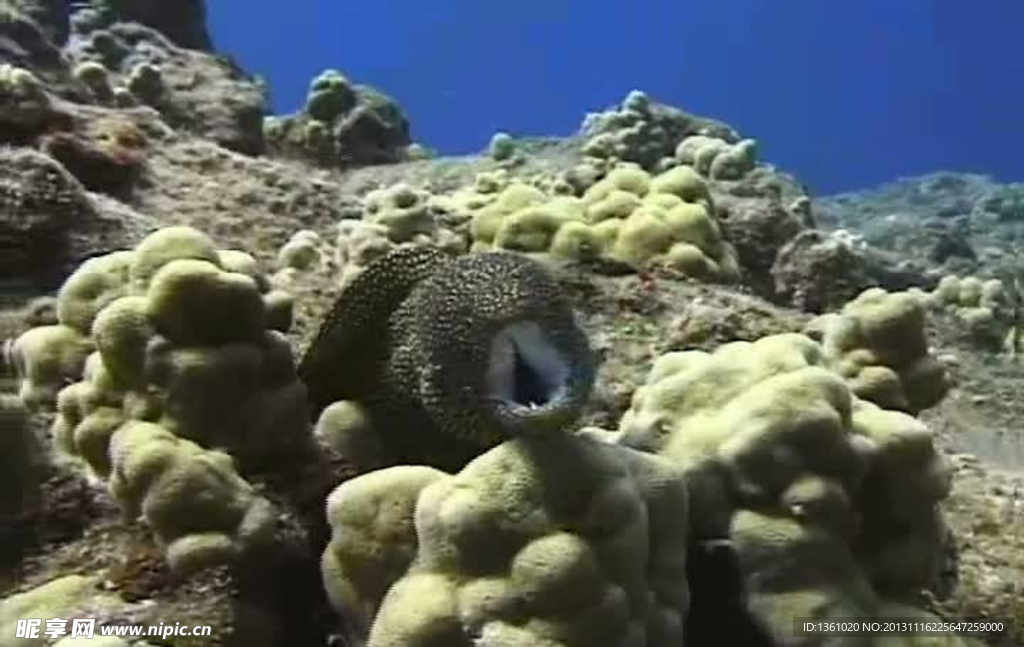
(878, 343)
(301, 252)
(805, 575)
(166, 245)
(403, 210)
(628, 216)
(64, 597)
(24, 102)
(717, 158)
(781, 456)
(510, 552)
(196, 303)
(396, 215)
(533, 229)
(667, 220)
(373, 540)
(514, 197)
(346, 427)
(97, 282)
(358, 243)
(184, 337)
(88, 414)
(981, 306)
(96, 77)
(45, 359)
(200, 509)
(146, 83)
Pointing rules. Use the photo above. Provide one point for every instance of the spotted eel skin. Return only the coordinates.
(411, 339)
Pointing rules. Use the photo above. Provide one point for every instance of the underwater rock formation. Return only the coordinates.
(820, 270)
(342, 125)
(146, 68)
(183, 22)
(644, 131)
(50, 224)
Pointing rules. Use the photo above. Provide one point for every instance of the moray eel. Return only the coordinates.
(452, 356)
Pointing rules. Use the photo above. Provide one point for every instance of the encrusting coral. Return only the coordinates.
(450, 357)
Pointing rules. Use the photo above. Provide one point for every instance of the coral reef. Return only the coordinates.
(24, 104)
(741, 460)
(342, 124)
(644, 131)
(820, 270)
(819, 492)
(184, 23)
(501, 147)
(628, 216)
(147, 68)
(510, 552)
(171, 343)
(963, 223)
(50, 223)
(33, 43)
(982, 307)
(717, 158)
(879, 344)
(200, 509)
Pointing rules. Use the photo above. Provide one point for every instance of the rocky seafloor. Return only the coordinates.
(805, 407)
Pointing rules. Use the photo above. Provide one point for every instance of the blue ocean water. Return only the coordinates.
(843, 94)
